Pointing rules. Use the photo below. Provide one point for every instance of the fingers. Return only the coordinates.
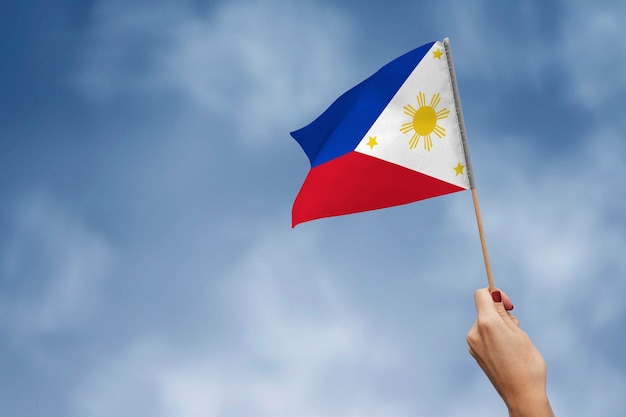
(506, 301)
(497, 296)
(496, 301)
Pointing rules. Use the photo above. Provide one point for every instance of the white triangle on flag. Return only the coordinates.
(445, 160)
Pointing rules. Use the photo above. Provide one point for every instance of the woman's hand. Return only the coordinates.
(508, 357)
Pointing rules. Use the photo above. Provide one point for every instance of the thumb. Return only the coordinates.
(496, 296)
(503, 304)
(500, 296)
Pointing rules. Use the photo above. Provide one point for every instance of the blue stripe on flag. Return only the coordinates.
(342, 126)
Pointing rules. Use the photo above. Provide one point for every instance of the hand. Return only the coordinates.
(506, 354)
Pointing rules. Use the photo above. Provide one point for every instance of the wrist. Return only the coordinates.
(535, 406)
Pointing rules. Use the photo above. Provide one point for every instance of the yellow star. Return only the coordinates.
(437, 54)
(372, 142)
(459, 169)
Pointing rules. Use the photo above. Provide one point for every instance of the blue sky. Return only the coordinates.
(147, 264)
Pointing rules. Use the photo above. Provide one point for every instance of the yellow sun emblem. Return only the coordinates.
(424, 121)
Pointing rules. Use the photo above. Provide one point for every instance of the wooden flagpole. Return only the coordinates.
(468, 162)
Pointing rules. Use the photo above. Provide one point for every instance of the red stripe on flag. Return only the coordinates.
(356, 182)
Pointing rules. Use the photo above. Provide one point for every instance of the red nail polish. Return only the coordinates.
(496, 296)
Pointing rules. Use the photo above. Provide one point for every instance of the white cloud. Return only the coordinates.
(592, 51)
(517, 55)
(261, 66)
(302, 350)
(583, 47)
(554, 221)
(55, 265)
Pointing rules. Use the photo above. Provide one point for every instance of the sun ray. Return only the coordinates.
(406, 127)
(428, 143)
(415, 140)
(421, 100)
(439, 131)
(409, 110)
(442, 114)
(435, 101)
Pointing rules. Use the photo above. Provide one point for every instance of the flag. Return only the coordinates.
(393, 139)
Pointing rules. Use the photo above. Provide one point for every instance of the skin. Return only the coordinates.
(506, 354)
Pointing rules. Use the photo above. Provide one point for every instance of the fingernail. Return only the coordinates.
(496, 296)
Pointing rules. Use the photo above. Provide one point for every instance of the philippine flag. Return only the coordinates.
(393, 139)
